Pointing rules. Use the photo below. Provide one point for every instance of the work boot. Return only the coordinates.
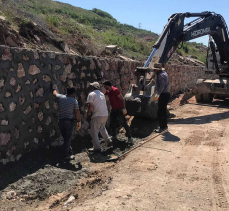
(130, 141)
(94, 150)
(70, 157)
(109, 142)
(160, 130)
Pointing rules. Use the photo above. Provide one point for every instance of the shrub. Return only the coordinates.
(53, 20)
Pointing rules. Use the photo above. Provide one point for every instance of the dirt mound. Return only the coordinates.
(181, 60)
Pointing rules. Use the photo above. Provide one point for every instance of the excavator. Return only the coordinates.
(140, 102)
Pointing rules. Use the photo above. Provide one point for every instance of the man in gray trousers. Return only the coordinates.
(98, 112)
(68, 112)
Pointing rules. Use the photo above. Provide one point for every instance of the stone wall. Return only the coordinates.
(183, 77)
(28, 110)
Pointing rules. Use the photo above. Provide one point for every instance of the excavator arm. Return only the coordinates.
(176, 32)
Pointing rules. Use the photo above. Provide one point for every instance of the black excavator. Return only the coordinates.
(140, 102)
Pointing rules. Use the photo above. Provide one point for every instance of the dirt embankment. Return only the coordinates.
(28, 34)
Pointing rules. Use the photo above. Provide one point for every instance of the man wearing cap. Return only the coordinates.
(118, 110)
(68, 112)
(162, 95)
(98, 112)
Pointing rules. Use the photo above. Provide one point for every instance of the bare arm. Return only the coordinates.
(78, 116)
(90, 108)
(108, 103)
(55, 92)
(123, 100)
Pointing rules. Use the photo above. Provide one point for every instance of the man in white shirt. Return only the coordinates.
(99, 114)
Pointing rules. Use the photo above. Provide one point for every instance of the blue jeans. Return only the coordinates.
(66, 128)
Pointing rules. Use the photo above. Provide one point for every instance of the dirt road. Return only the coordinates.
(185, 169)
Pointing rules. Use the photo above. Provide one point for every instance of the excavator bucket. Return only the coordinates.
(140, 98)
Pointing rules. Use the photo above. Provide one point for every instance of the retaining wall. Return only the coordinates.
(28, 110)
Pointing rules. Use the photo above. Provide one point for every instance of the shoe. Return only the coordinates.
(94, 150)
(109, 142)
(160, 130)
(70, 157)
(130, 141)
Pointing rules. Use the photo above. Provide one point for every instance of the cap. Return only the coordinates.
(95, 85)
(157, 66)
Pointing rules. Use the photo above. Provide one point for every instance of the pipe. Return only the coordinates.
(150, 57)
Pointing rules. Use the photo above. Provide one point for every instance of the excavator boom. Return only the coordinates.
(175, 33)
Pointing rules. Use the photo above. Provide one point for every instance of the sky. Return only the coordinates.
(153, 15)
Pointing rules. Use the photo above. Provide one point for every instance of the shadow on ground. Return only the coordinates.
(205, 119)
(170, 137)
(38, 171)
(142, 127)
(215, 103)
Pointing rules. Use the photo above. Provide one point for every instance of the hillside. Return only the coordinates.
(51, 25)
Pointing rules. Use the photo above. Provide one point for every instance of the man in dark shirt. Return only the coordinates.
(68, 112)
(118, 110)
(162, 91)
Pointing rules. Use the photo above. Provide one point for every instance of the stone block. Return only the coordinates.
(4, 138)
(1, 82)
(7, 55)
(1, 108)
(20, 71)
(12, 106)
(46, 78)
(92, 65)
(40, 116)
(40, 92)
(27, 110)
(21, 100)
(8, 94)
(111, 48)
(34, 70)
(25, 58)
(68, 69)
(48, 121)
(16, 133)
(36, 55)
(47, 106)
(4, 122)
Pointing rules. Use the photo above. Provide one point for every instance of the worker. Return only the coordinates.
(118, 110)
(97, 111)
(68, 112)
(162, 95)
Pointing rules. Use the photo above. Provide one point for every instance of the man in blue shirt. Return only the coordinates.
(162, 91)
(68, 112)
(161, 94)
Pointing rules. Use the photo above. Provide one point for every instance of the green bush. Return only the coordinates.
(185, 47)
(102, 13)
(53, 20)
